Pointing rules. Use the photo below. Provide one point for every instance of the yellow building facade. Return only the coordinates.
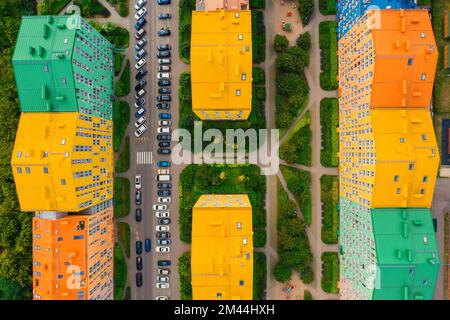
(221, 64)
(62, 161)
(222, 248)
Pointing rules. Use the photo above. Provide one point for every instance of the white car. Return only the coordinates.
(164, 122)
(162, 249)
(140, 63)
(138, 181)
(160, 285)
(140, 121)
(160, 207)
(140, 4)
(164, 199)
(163, 171)
(164, 76)
(162, 278)
(142, 12)
(163, 272)
(160, 228)
(163, 130)
(162, 298)
(140, 131)
(162, 214)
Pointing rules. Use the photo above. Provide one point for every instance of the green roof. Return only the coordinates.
(407, 253)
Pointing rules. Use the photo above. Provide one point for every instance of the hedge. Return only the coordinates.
(118, 59)
(306, 10)
(329, 121)
(327, 7)
(184, 29)
(257, 4)
(120, 272)
(123, 84)
(123, 163)
(121, 118)
(258, 36)
(259, 76)
(184, 273)
(330, 272)
(259, 276)
(307, 295)
(329, 186)
(328, 48)
(121, 197)
(259, 238)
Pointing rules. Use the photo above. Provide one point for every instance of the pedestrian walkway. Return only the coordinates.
(144, 157)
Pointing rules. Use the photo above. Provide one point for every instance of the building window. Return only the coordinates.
(395, 178)
(423, 77)
(398, 190)
(27, 169)
(241, 283)
(238, 92)
(422, 35)
(244, 241)
(410, 61)
(63, 141)
(422, 191)
(240, 37)
(411, 166)
(219, 295)
(63, 182)
(19, 170)
(425, 179)
(244, 76)
(19, 154)
(424, 137)
(402, 140)
(238, 226)
(46, 170)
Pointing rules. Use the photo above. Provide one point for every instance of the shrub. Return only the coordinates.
(120, 272)
(304, 41)
(297, 149)
(184, 28)
(329, 120)
(118, 59)
(123, 233)
(184, 272)
(121, 197)
(259, 275)
(330, 272)
(259, 238)
(258, 36)
(117, 35)
(327, 7)
(280, 43)
(282, 272)
(90, 8)
(259, 76)
(257, 4)
(328, 47)
(330, 200)
(123, 84)
(307, 295)
(306, 10)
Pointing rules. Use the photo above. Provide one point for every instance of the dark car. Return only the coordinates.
(140, 23)
(164, 116)
(140, 102)
(163, 235)
(164, 83)
(163, 137)
(164, 97)
(164, 263)
(147, 245)
(164, 144)
(164, 32)
(140, 85)
(164, 151)
(138, 198)
(138, 215)
(140, 44)
(161, 106)
(163, 2)
(164, 91)
(139, 263)
(163, 164)
(164, 221)
(138, 247)
(164, 16)
(163, 54)
(142, 72)
(139, 279)
(164, 47)
(163, 185)
(164, 193)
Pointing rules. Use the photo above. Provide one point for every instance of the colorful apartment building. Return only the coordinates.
(222, 248)
(389, 156)
(62, 159)
(73, 254)
(210, 5)
(221, 64)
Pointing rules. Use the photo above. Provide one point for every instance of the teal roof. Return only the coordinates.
(407, 254)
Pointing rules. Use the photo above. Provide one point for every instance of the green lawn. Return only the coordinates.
(184, 28)
(121, 7)
(121, 118)
(123, 232)
(259, 238)
(307, 295)
(52, 7)
(259, 76)
(123, 163)
(329, 186)
(257, 4)
(184, 272)
(328, 47)
(118, 59)
(91, 8)
(259, 275)
(117, 35)
(297, 146)
(329, 120)
(123, 84)
(127, 294)
(120, 272)
(299, 183)
(196, 180)
(327, 7)
(121, 197)
(306, 10)
(330, 272)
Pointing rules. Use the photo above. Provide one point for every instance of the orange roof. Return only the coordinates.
(405, 58)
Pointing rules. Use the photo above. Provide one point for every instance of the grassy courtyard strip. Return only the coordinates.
(259, 275)
(297, 146)
(123, 163)
(329, 186)
(330, 272)
(328, 47)
(123, 232)
(184, 273)
(121, 197)
(184, 29)
(120, 272)
(121, 118)
(329, 121)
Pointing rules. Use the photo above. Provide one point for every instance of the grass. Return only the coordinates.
(127, 294)
(307, 295)
(123, 163)
(120, 272)
(52, 7)
(121, 197)
(123, 84)
(258, 36)
(327, 7)
(259, 276)
(330, 272)
(297, 146)
(196, 180)
(184, 273)
(259, 238)
(329, 120)
(306, 10)
(259, 76)
(118, 60)
(121, 118)
(299, 183)
(91, 8)
(328, 47)
(257, 4)
(123, 233)
(329, 186)
(184, 29)
(121, 6)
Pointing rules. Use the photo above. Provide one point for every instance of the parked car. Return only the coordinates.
(147, 245)
(163, 106)
(162, 214)
(164, 221)
(138, 197)
(140, 44)
(162, 2)
(138, 181)
(140, 94)
(163, 171)
(163, 130)
(163, 177)
(164, 279)
(139, 102)
(164, 68)
(164, 32)
(140, 64)
(159, 228)
(164, 91)
(162, 298)
(160, 285)
(140, 112)
(162, 249)
(164, 242)
(163, 137)
(164, 83)
(164, 193)
(141, 130)
(140, 4)
(164, 144)
(164, 263)
(164, 122)
(163, 185)
(140, 85)
(163, 54)
(139, 279)
(139, 263)
(140, 74)
(163, 164)
(164, 151)
(164, 16)
(140, 121)
(140, 13)
(163, 235)
(139, 34)
(164, 199)
(138, 247)
(160, 207)
(140, 54)
(138, 215)
(164, 97)
(163, 47)
(164, 116)
(164, 61)
(140, 23)
(164, 75)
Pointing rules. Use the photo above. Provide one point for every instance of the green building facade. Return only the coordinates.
(62, 64)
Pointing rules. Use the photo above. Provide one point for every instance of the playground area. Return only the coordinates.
(288, 19)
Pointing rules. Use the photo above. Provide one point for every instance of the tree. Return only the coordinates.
(304, 41)
(280, 43)
(290, 84)
(293, 60)
(10, 290)
(282, 272)
(306, 9)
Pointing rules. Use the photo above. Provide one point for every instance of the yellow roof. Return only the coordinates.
(221, 61)
(222, 248)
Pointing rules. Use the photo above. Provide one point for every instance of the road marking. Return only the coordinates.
(144, 157)
(142, 139)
